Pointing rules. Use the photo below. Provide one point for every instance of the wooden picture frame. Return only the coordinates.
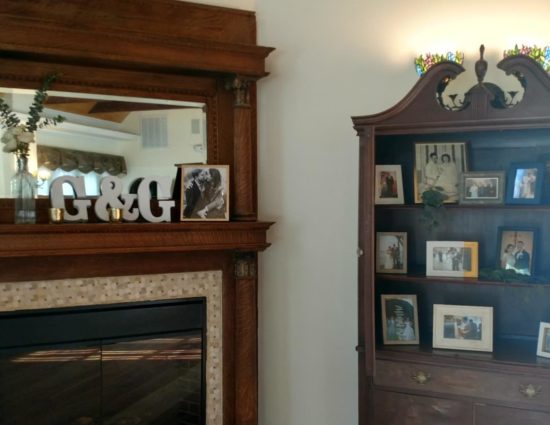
(460, 327)
(451, 258)
(388, 185)
(438, 165)
(543, 343)
(545, 159)
(517, 247)
(482, 187)
(205, 192)
(391, 252)
(524, 183)
(400, 319)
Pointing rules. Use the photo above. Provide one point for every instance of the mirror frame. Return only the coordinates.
(164, 49)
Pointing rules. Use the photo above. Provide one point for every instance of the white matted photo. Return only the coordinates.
(463, 327)
(388, 185)
(399, 319)
(543, 346)
(391, 252)
(437, 166)
(205, 194)
(451, 258)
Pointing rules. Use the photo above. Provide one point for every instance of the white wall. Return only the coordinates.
(335, 59)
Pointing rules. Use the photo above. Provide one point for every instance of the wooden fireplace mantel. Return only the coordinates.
(122, 238)
(164, 49)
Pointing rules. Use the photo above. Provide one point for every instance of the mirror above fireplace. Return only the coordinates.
(146, 137)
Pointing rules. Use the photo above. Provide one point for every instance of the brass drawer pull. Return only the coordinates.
(421, 377)
(530, 391)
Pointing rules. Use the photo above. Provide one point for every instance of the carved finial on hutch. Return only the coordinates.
(481, 65)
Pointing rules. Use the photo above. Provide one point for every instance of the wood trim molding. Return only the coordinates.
(87, 239)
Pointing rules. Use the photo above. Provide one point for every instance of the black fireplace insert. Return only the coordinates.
(125, 364)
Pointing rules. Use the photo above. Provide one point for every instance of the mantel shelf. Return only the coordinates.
(98, 238)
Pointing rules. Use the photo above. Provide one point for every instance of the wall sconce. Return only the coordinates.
(539, 54)
(424, 62)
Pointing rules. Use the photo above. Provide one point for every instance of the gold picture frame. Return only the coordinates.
(438, 166)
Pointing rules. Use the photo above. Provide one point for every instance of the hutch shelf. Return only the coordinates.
(419, 384)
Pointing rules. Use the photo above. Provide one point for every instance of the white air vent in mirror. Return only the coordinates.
(154, 132)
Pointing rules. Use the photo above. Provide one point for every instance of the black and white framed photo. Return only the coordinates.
(451, 258)
(388, 185)
(543, 345)
(482, 187)
(205, 194)
(525, 183)
(399, 319)
(516, 249)
(462, 327)
(437, 166)
(391, 252)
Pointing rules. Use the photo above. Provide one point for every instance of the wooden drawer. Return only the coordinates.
(491, 415)
(529, 390)
(399, 409)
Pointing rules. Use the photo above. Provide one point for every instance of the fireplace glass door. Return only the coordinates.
(125, 379)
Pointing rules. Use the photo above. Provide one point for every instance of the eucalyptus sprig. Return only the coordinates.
(33, 122)
(18, 135)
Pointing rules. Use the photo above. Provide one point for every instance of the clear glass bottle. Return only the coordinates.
(23, 190)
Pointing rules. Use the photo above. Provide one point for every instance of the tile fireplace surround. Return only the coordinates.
(127, 289)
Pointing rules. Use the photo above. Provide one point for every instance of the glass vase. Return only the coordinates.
(23, 190)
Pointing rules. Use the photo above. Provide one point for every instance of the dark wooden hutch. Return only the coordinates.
(421, 385)
(161, 49)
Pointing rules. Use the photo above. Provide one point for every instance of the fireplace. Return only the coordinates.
(75, 351)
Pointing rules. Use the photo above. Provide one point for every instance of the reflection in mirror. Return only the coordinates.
(107, 135)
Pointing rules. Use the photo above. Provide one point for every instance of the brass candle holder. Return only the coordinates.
(56, 215)
(115, 215)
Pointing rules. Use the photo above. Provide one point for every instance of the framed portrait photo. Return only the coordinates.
(482, 187)
(451, 259)
(516, 249)
(205, 192)
(525, 183)
(399, 319)
(391, 252)
(462, 327)
(543, 345)
(438, 166)
(388, 185)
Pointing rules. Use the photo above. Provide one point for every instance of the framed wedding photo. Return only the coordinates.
(438, 166)
(399, 319)
(461, 327)
(482, 187)
(543, 345)
(391, 252)
(451, 259)
(517, 247)
(525, 183)
(388, 185)
(205, 194)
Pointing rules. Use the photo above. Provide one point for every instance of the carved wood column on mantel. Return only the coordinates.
(244, 169)
(246, 339)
